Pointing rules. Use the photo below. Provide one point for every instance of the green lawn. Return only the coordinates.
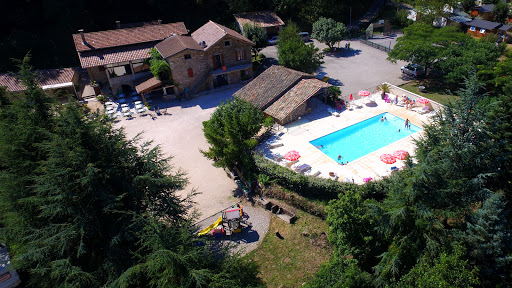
(434, 91)
(293, 260)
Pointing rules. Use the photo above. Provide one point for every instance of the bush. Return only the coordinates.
(307, 186)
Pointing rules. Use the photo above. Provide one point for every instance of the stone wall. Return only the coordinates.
(228, 53)
(96, 75)
(180, 65)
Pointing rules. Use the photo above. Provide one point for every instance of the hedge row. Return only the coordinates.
(307, 186)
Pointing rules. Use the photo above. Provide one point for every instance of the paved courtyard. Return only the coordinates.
(180, 135)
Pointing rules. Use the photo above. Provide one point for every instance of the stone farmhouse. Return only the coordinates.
(210, 57)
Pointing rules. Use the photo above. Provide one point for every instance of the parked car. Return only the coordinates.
(414, 70)
(8, 277)
(273, 41)
(304, 36)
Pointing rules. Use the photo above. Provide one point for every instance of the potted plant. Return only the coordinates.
(384, 88)
(96, 86)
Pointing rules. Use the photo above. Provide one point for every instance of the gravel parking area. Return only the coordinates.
(250, 237)
(180, 136)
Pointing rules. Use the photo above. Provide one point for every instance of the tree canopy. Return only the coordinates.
(294, 53)
(256, 34)
(230, 133)
(328, 31)
(82, 206)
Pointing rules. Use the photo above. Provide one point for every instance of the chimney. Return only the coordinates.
(118, 24)
(83, 36)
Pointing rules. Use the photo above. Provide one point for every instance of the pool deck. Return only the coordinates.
(298, 134)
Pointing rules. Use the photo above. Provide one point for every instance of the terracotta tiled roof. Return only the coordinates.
(49, 77)
(295, 97)
(115, 55)
(212, 32)
(269, 85)
(176, 44)
(148, 85)
(127, 36)
(263, 19)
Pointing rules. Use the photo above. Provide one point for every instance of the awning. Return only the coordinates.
(148, 85)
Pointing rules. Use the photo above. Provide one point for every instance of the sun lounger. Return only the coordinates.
(425, 109)
(277, 157)
(313, 174)
(333, 112)
(275, 145)
(302, 168)
(290, 163)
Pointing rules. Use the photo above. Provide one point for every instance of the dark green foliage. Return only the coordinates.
(328, 31)
(81, 206)
(230, 133)
(295, 54)
(159, 67)
(256, 34)
(488, 240)
(470, 55)
(423, 44)
(500, 12)
(341, 272)
(446, 270)
(401, 19)
(295, 200)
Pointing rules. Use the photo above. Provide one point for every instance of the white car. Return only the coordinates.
(414, 70)
(8, 277)
(273, 41)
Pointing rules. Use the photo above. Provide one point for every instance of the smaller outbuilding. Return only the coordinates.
(283, 93)
(268, 20)
(480, 28)
(49, 79)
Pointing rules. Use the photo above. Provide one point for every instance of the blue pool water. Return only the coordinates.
(364, 137)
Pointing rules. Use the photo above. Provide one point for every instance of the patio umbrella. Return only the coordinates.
(351, 97)
(401, 154)
(422, 100)
(292, 155)
(388, 158)
(364, 93)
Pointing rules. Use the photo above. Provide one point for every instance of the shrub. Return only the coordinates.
(297, 201)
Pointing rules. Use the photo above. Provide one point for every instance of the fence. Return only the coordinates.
(375, 45)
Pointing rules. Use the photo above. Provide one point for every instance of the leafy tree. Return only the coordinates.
(159, 67)
(328, 31)
(295, 54)
(446, 270)
(353, 229)
(256, 34)
(424, 44)
(431, 10)
(467, 5)
(230, 133)
(500, 12)
(498, 76)
(470, 55)
(341, 272)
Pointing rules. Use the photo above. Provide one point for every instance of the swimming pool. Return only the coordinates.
(364, 137)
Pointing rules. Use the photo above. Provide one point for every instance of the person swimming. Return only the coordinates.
(381, 118)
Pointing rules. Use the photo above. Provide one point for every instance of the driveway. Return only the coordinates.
(360, 68)
(180, 135)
